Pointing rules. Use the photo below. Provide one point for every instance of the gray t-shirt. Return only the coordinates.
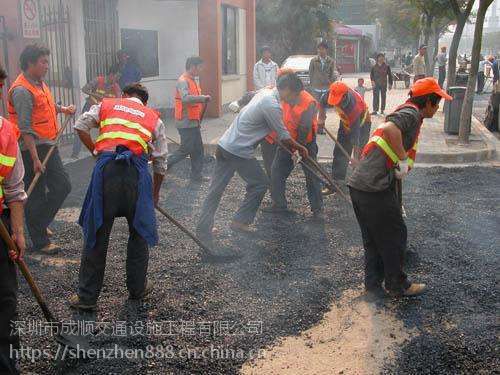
(255, 121)
(372, 173)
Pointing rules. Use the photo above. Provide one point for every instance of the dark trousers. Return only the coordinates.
(119, 200)
(384, 238)
(48, 196)
(356, 137)
(192, 146)
(442, 75)
(379, 92)
(281, 169)
(480, 82)
(8, 311)
(225, 166)
(268, 151)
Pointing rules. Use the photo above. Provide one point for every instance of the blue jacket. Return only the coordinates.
(91, 217)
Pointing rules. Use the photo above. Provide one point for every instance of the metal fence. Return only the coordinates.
(100, 20)
(56, 35)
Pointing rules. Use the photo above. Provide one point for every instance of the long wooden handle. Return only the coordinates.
(11, 245)
(206, 250)
(47, 157)
(337, 143)
(172, 140)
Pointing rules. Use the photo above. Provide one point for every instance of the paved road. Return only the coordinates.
(284, 279)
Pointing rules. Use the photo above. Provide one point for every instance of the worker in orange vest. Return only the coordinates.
(388, 156)
(32, 109)
(354, 127)
(300, 118)
(12, 195)
(99, 88)
(130, 134)
(189, 107)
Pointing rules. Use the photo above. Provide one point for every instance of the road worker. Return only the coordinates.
(32, 109)
(130, 133)
(189, 107)
(388, 156)
(12, 198)
(300, 118)
(354, 127)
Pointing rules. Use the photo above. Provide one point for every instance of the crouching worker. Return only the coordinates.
(354, 127)
(300, 118)
(388, 156)
(121, 186)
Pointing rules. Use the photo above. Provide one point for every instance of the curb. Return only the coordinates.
(466, 156)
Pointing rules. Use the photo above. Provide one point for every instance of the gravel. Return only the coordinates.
(282, 279)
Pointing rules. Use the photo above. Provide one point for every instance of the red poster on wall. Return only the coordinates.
(346, 55)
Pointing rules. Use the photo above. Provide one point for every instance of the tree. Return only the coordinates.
(292, 26)
(400, 22)
(462, 10)
(466, 114)
(436, 16)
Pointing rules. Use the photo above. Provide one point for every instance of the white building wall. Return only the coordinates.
(233, 86)
(177, 26)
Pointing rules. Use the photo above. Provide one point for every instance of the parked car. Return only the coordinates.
(300, 65)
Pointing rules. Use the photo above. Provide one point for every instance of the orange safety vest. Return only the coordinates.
(194, 109)
(378, 140)
(8, 152)
(101, 90)
(292, 115)
(123, 122)
(355, 110)
(44, 116)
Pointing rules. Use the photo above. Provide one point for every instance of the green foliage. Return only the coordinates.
(292, 26)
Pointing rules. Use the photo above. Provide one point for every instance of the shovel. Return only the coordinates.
(69, 341)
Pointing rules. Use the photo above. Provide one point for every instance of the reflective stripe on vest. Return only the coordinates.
(123, 135)
(8, 152)
(128, 124)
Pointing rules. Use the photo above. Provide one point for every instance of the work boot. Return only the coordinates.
(147, 291)
(49, 249)
(241, 227)
(327, 191)
(75, 303)
(413, 290)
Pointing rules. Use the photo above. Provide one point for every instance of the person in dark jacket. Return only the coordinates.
(380, 75)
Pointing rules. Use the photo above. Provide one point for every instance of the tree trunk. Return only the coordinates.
(427, 37)
(466, 114)
(437, 34)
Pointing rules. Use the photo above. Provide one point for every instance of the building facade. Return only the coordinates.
(84, 36)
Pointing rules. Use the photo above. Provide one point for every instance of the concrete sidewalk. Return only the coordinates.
(435, 147)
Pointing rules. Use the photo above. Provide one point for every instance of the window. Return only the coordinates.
(229, 40)
(142, 46)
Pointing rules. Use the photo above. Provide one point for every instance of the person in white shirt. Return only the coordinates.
(265, 70)
(480, 74)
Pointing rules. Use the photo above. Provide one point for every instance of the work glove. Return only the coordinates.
(402, 169)
(234, 106)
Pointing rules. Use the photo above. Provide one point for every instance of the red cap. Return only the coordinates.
(426, 86)
(337, 91)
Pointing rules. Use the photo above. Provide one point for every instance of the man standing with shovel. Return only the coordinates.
(189, 108)
(121, 186)
(32, 109)
(12, 194)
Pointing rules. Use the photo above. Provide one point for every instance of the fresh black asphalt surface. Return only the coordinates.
(282, 279)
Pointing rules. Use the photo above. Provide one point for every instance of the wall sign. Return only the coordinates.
(30, 17)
